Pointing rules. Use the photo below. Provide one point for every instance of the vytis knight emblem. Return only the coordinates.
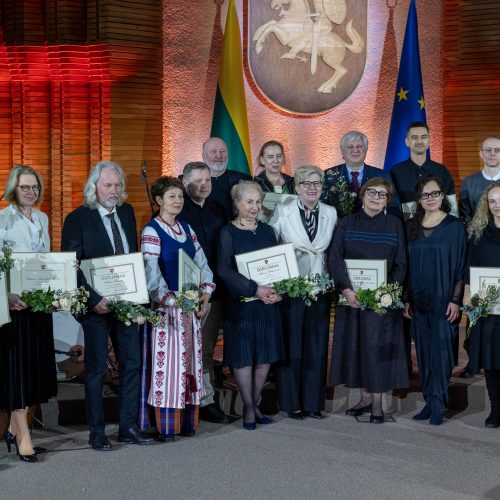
(311, 55)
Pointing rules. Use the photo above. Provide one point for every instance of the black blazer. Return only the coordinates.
(84, 233)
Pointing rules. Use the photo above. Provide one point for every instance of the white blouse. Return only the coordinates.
(151, 249)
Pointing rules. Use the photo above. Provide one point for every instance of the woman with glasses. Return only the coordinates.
(369, 348)
(436, 253)
(309, 225)
(27, 362)
(270, 177)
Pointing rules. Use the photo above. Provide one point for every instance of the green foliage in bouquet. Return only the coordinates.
(480, 305)
(6, 260)
(189, 299)
(307, 287)
(49, 301)
(128, 312)
(380, 300)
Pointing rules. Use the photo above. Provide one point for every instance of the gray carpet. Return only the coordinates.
(334, 458)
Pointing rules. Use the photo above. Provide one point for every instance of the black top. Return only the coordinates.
(471, 190)
(221, 189)
(485, 251)
(406, 174)
(267, 187)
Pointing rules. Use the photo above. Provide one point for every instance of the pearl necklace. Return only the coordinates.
(246, 227)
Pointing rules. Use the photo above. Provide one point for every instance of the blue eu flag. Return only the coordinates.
(409, 104)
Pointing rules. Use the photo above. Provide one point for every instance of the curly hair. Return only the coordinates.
(90, 188)
(161, 185)
(416, 221)
(482, 215)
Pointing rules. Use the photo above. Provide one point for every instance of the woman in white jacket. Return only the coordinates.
(309, 225)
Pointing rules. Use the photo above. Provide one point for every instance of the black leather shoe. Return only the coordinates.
(134, 436)
(296, 415)
(357, 412)
(315, 414)
(167, 438)
(210, 413)
(99, 442)
(377, 419)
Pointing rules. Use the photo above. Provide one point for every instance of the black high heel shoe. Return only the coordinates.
(10, 440)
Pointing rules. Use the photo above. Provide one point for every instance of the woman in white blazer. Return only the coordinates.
(309, 225)
(27, 362)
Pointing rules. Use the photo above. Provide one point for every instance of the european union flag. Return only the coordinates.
(409, 104)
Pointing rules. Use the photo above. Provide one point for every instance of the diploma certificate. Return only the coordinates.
(189, 272)
(120, 277)
(481, 277)
(269, 203)
(41, 271)
(367, 274)
(269, 264)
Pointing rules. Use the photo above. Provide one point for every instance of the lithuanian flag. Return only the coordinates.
(229, 121)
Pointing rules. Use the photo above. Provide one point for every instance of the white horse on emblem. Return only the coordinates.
(311, 33)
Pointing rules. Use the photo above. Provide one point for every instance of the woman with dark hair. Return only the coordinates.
(484, 251)
(270, 177)
(27, 362)
(368, 348)
(436, 259)
(172, 366)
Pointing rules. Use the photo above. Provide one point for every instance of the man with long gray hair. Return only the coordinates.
(104, 225)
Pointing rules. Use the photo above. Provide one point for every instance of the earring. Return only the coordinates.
(385, 210)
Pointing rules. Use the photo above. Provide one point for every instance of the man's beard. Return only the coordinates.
(216, 168)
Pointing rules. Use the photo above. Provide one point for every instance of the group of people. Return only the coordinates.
(407, 217)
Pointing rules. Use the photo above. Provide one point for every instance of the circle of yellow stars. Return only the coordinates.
(402, 94)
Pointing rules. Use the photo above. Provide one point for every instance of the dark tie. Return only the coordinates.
(354, 186)
(117, 239)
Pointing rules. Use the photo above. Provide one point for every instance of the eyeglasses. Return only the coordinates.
(432, 194)
(308, 184)
(25, 188)
(373, 193)
(491, 150)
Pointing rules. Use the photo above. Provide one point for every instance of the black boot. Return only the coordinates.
(493, 386)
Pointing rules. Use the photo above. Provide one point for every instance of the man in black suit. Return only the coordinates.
(354, 173)
(215, 155)
(104, 226)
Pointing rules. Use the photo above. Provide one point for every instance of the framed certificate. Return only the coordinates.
(269, 203)
(189, 272)
(481, 277)
(269, 264)
(367, 274)
(41, 271)
(119, 277)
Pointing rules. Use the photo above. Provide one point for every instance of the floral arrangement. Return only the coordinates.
(383, 298)
(128, 312)
(6, 260)
(308, 287)
(49, 301)
(343, 200)
(189, 299)
(480, 305)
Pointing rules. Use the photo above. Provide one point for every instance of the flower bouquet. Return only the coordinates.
(128, 312)
(49, 301)
(189, 299)
(386, 296)
(308, 287)
(6, 260)
(480, 305)
(343, 199)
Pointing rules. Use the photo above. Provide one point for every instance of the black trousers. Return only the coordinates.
(96, 328)
(301, 375)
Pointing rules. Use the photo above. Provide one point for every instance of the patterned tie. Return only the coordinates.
(117, 239)
(354, 186)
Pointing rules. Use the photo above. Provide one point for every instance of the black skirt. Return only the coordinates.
(27, 362)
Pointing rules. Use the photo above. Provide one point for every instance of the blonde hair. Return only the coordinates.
(305, 171)
(13, 182)
(482, 214)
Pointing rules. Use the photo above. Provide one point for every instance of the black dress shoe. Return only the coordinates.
(210, 413)
(377, 419)
(134, 436)
(296, 415)
(99, 442)
(167, 438)
(357, 412)
(315, 414)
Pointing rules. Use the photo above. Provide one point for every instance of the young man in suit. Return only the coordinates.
(105, 225)
(354, 173)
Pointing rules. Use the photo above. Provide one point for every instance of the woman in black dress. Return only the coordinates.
(252, 330)
(270, 177)
(27, 362)
(436, 261)
(368, 348)
(484, 251)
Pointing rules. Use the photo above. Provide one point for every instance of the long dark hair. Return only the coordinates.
(416, 221)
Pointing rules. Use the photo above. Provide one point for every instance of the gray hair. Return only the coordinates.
(89, 190)
(350, 136)
(305, 171)
(13, 182)
(207, 143)
(238, 189)
(192, 166)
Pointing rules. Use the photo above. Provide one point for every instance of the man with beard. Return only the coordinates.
(215, 155)
(104, 226)
(206, 217)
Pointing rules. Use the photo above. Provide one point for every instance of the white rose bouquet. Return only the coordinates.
(386, 296)
(480, 305)
(49, 301)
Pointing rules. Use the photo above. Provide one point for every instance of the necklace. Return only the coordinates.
(247, 228)
(172, 226)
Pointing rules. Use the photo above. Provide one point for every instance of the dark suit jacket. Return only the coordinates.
(84, 233)
(369, 172)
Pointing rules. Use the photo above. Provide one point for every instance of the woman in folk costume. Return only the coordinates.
(172, 360)
(309, 225)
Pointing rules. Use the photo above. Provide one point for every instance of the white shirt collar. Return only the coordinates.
(104, 211)
(488, 178)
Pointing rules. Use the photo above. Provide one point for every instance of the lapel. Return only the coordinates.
(96, 219)
(297, 227)
(127, 227)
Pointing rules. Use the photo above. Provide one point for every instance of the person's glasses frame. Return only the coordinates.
(308, 184)
(373, 193)
(25, 188)
(432, 194)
